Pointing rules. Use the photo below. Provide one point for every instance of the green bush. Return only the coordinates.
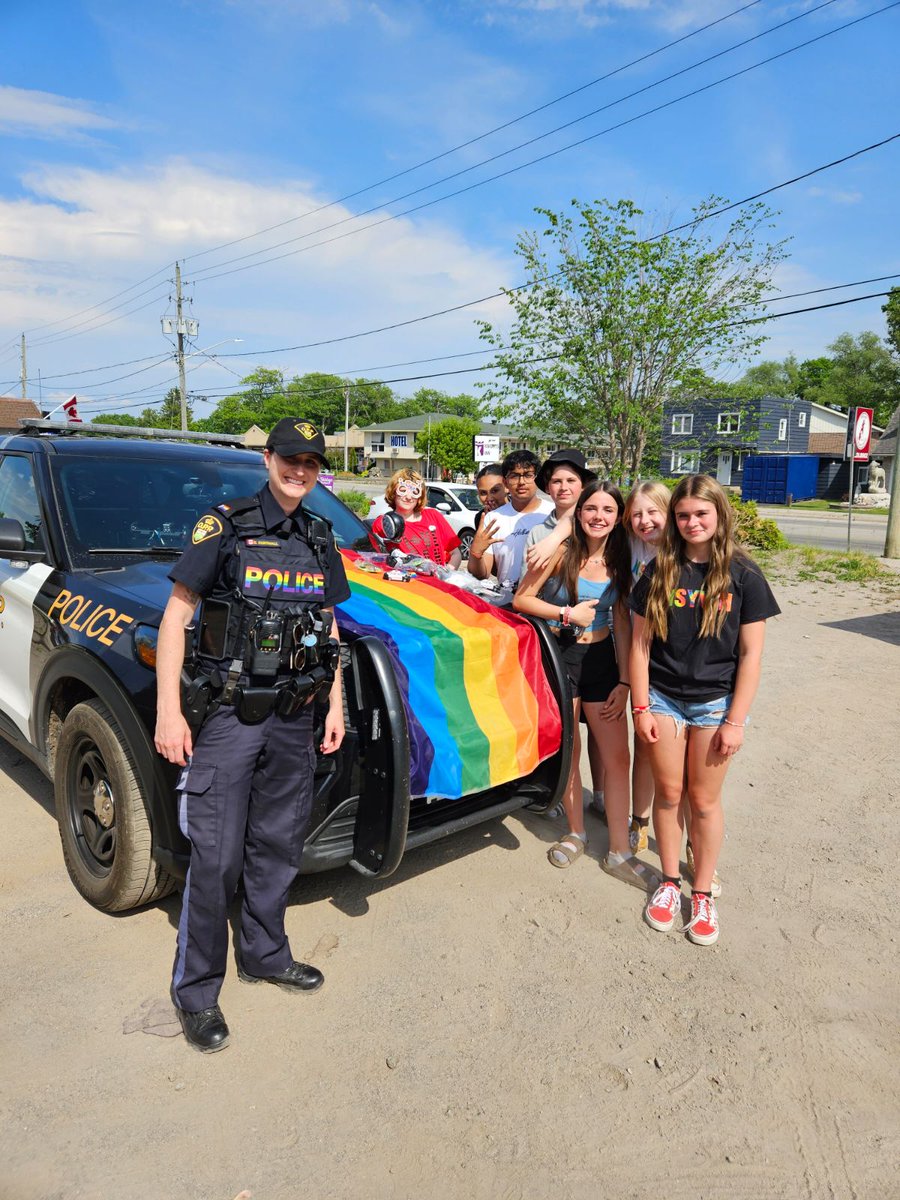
(753, 530)
(355, 499)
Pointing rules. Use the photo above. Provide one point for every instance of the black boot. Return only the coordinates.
(205, 1030)
(298, 977)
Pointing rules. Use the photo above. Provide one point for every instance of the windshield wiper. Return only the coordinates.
(173, 551)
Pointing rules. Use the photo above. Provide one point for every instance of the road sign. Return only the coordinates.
(859, 434)
(485, 449)
(326, 478)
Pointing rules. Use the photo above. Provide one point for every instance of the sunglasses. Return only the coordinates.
(408, 488)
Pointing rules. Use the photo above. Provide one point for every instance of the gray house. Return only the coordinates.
(714, 436)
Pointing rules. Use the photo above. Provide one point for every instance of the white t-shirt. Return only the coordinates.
(513, 527)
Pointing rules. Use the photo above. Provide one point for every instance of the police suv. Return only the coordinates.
(89, 527)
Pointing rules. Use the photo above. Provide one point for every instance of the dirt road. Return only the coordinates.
(491, 1027)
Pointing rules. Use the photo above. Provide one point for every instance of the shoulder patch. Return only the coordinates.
(207, 527)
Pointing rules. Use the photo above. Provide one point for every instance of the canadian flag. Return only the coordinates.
(72, 411)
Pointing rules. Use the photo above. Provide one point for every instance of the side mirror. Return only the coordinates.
(393, 525)
(12, 536)
(444, 507)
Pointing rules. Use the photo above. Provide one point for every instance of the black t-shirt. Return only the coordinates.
(685, 665)
(202, 565)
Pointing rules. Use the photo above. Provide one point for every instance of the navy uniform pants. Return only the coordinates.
(244, 804)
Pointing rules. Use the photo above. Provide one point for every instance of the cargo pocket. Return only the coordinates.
(193, 783)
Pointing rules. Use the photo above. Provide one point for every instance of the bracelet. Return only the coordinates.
(567, 612)
(477, 557)
(736, 724)
(622, 683)
(640, 708)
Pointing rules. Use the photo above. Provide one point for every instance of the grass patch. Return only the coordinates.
(810, 564)
(355, 499)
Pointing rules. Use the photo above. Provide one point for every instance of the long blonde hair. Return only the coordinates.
(672, 555)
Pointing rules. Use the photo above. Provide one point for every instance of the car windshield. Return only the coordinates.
(149, 506)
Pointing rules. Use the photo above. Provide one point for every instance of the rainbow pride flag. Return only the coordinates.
(480, 709)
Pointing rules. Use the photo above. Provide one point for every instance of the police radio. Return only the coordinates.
(266, 634)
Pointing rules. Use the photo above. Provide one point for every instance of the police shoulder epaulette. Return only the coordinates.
(240, 505)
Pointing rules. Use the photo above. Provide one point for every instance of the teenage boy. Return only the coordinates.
(499, 545)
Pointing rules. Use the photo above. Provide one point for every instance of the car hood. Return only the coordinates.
(145, 581)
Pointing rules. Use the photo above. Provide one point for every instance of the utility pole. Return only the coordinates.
(182, 388)
(24, 371)
(892, 538)
(346, 424)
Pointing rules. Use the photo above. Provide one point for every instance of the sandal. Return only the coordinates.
(571, 847)
(632, 871)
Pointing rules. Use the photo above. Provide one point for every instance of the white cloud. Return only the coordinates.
(83, 235)
(836, 195)
(43, 114)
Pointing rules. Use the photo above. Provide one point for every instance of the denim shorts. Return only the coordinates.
(705, 714)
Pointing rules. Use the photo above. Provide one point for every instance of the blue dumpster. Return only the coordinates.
(771, 478)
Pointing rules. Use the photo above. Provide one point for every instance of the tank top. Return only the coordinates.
(554, 592)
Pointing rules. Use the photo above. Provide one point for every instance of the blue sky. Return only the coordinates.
(133, 134)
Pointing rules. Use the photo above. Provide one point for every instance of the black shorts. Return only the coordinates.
(592, 669)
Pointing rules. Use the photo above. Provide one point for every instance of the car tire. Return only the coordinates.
(466, 538)
(103, 825)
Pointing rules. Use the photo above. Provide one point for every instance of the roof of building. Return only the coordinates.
(886, 445)
(11, 411)
(829, 444)
(421, 421)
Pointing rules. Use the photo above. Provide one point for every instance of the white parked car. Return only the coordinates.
(457, 501)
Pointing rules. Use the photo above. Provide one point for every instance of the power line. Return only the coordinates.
(205, 274)
(520, 287)
(64, 337)
(479, 137)
(102, 304)
(552, 357)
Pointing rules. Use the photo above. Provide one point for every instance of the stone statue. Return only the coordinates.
(876, 479)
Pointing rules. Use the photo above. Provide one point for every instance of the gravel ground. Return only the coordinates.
(491, 1027)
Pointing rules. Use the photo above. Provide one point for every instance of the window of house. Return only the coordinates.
(729, 422)
(685, 463)
(801, 420)
(782, 429)
(377, 443)
(682, 422)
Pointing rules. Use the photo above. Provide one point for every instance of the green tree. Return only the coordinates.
(863, 372)
(812, 376)
(770, 378)
(449, 444)
(115, 419)
(428, 399)
(891, 311)
(612, 321)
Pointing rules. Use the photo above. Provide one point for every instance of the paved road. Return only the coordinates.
(828, 530)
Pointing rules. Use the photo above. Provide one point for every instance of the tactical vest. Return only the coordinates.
(262, 628)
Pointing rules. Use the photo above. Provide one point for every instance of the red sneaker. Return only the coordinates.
(662, 907)
(703, 927)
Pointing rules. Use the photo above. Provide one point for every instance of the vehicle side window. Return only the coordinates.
(435, 496)
(19, 499)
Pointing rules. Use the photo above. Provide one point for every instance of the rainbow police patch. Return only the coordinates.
(207, 527)
(283, 583)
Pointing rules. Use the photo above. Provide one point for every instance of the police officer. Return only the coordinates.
(269, 576)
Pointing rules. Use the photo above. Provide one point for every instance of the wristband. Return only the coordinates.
(566, 613)
(477, 557)
(735, 724)
(622, 683)
(640, 708)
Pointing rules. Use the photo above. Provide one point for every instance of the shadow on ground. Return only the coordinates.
(885, 627)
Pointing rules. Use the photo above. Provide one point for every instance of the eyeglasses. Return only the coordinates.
(409, 488)
(524, 476)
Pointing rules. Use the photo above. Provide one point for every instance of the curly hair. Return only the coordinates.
(409, 475)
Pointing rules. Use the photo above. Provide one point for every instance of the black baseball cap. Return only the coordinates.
(292, 436)
(572, 458)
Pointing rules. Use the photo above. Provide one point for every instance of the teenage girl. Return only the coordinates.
(700, 612)
(645, 519)
(588, 578)
(427, 532)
